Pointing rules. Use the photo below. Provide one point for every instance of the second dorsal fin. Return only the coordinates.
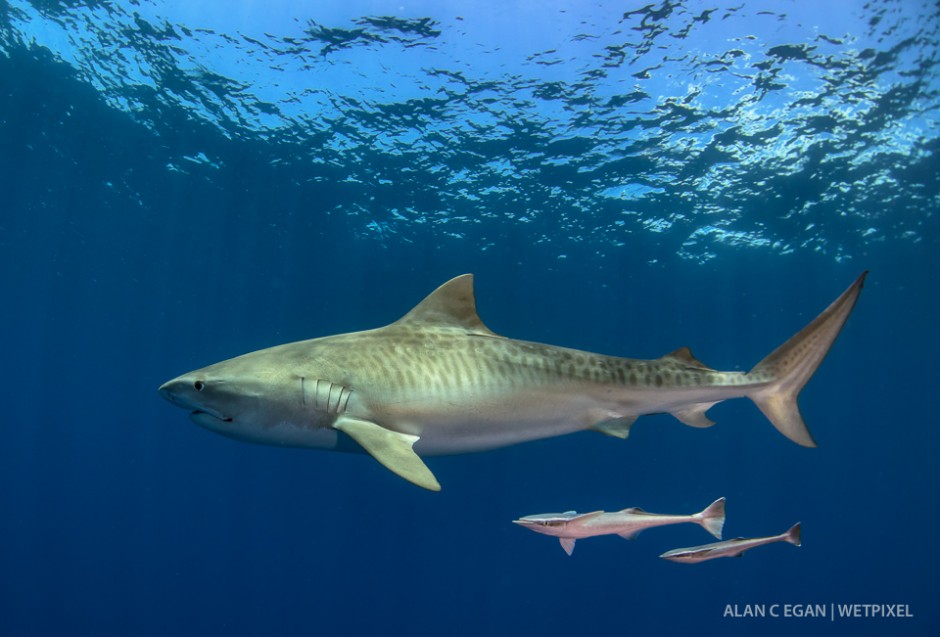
(684, 356)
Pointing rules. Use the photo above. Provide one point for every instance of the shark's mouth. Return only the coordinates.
(200, 416)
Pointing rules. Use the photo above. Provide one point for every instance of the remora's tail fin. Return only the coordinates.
(784, 372)
(794, 535)
(712, 518)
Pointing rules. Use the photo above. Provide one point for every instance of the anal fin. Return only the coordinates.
(391, 448)
(616, 427)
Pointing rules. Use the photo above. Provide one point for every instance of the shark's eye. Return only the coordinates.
(198, 385)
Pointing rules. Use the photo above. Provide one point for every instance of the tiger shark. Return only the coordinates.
(438, 381)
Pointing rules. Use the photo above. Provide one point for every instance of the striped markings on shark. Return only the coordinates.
(438, 381)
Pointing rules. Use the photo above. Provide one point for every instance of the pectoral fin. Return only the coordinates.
(391, 448)
(567, 543)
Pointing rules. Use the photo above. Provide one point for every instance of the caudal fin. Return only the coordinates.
(712, 518)
(794, 535)
(783, 373)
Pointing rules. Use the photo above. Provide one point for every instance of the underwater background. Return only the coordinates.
(182, 182)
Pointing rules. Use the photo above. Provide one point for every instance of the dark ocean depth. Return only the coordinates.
(184, 182)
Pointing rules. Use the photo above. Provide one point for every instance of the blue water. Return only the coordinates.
(182, 183)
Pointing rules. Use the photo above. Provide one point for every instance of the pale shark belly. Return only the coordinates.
(464, 423)
(451, 419)
(445, 425)
(479, 429)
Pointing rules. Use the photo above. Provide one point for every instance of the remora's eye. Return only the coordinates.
(199, 385)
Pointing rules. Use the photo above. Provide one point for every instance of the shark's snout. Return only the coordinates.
(166, 391)
(176, 391)
(189, 393)
(183, 392)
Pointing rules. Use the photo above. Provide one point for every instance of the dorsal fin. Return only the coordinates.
(452, 305)
(684, 356)
(584, 517)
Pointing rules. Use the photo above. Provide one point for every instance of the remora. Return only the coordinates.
(438, 381)
(731, 548)
(571, 526)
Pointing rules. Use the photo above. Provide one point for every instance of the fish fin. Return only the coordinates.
(630, 535)
(453, 304)
(794, 535)
(586, 516)
(567, 543)
(634, 510)
(391, 448)
(616, 427)
(783, 373)
(712, 518)
(695, 416)
(684, 356)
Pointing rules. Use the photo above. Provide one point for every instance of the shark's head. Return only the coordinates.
(249, 399)
(214, 402)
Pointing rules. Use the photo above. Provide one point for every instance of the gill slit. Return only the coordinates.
(329, 399)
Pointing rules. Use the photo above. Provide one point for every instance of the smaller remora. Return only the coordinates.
(730, 548)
